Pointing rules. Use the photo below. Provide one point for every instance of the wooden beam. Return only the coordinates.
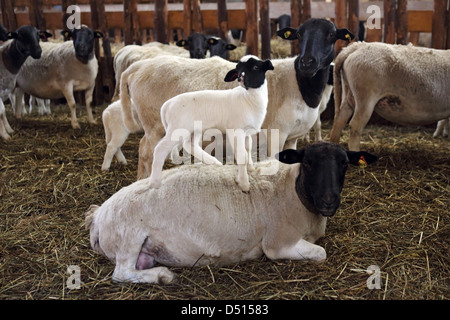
(265, 29)
(161, 21)
(402, 21)
(187, 18)
(222, 18)
(251, 9)
(389, 21)
(197, 21)
(439, 27)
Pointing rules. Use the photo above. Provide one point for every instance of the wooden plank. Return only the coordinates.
(402, 21)
(420, 21)
(389, 21)
(187, 18)
(353, 16)
(161, 21)
(197, 23)
(438, 26)
(251, 10)
(222, 18)
(265, 29)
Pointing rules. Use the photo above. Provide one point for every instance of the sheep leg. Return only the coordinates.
(88, 97)
(363, 111)
(67, 91)
(197, 150)
(18, 102)
(162, 150)
(125, 271)
(241, 156)
(302, 250)
(113, 143)
(342, 114)
(317, 127)
(4, 125)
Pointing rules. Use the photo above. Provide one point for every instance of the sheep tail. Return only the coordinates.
(338, 67)
(89, 216)
(125, 99)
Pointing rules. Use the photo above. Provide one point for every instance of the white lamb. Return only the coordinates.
(242, 109)
(116, 133)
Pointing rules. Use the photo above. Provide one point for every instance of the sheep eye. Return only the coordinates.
(256, 68)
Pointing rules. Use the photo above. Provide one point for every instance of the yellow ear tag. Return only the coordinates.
(287, 34)
(362, 162)
(348, 37)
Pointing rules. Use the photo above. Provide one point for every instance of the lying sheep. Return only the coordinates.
(243, 107)
(197, 219)
(295, 88)
(412, 86)
(13, 55)
(63, 69)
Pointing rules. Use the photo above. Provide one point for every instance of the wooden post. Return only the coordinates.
(8, 16)
(341, 21)
(296, 18)
(37, 15)
(197, 23)
(306, 11)
(447, 46)
(265, 29)
(161, 21)
(131, 22)
(104, 87)
(187, 18)
(402, 21)
(389, 21)
(251, 35)
(222, 16)
(438, 27)
(65, 5)
(353, 16)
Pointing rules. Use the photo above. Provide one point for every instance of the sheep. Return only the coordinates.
(115, 133)
(3, 34)
(295, 88)
(13, 54)
(412, 86)
(197, 44)
(243, 107)
(219, 47)
(132, 53)
(64, 68)
(196, 219)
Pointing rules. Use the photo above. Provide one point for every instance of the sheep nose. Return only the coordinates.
(307, 61)
(329, 199)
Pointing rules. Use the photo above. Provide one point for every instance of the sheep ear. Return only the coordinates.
(181, 43)
(230, 46)
(12, 35)
(287, 33)
(231, 75)
(362, 159)
(344, 34)
(45, 34)
(98, 34)
(66, 33)
(268, 65)
(290, 156)
(212, 41)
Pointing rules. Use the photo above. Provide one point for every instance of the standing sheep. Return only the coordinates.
(63, 69)
(412, 86)
(295, 87)
(243, 107)
(13, 55)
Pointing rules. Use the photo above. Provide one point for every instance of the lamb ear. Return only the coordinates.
(45, 34)
(98, 34)
(268, 65)
(231, 75)
(290, 156)
(361, 158)
(230, 46)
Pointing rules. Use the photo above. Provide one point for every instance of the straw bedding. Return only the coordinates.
(393, 215)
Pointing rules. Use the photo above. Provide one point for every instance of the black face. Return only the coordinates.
(28, 41)
(316, 43)
(322, 174)
(83, 42)
(251, 73)
(197, 44)
(219, 47)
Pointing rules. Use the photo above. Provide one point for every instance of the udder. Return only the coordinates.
(144, 261)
